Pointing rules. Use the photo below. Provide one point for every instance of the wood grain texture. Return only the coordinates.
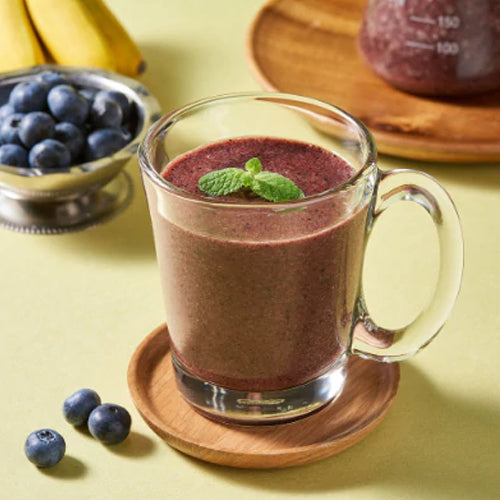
(368, 394)
(309, 47)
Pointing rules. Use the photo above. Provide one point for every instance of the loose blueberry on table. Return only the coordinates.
(45, 447)
(109, 423)
(78, 406)
(56, 124)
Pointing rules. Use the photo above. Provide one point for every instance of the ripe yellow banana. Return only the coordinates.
(128, 57)
(19, 45)
(70, 34)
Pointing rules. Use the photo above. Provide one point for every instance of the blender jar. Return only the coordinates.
(433, 47)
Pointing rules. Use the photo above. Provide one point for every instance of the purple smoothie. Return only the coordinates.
(269, 304)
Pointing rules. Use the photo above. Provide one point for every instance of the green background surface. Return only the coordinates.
(74, 308)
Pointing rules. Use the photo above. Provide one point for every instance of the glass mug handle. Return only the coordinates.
(373, 341)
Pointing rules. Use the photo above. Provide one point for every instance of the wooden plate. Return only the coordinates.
(368, 394)
(308, 47)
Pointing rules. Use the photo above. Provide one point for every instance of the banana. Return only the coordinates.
(70, 34)
(128, 57)
(19, 45)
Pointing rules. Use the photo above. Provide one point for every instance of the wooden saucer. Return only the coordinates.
(308, 47)
(368, 394)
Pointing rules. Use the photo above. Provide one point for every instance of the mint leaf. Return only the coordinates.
(275, 187)
(222, 182)
(268, 185)
(254, 166)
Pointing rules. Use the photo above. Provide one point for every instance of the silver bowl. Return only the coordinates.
(38, 201)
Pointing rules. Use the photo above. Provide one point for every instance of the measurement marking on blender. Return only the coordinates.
(444, 48)
(449, 22)
(448, 48)
(424, 20)
(446, 22)
(419, 45)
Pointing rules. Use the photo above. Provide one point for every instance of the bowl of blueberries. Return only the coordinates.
(65, 135)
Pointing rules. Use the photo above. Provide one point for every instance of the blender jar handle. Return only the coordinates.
(375, 342)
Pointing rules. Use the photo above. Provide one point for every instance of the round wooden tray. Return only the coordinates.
(369, 391)
(308, 47)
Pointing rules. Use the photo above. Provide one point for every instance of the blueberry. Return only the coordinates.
(109, 423)
(45, 447)
(49, 154)
(28, 96)
(49, 79)
(6, 110)
(67, 105)
(105, 112)
(13, 155)
(89, 94)
(72, 137)
(77, 407)
(104, 142)
(9, 131)
(119, 98)
(35, 127)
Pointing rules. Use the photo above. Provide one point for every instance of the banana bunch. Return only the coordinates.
(69, 32)
(19, 46)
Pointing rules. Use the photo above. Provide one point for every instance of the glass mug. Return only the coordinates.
(263, 300)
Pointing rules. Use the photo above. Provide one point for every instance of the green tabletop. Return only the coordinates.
(74, 308)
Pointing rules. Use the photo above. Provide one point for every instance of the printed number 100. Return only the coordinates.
(448, 48)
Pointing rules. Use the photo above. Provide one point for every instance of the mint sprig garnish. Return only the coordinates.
(268, 185)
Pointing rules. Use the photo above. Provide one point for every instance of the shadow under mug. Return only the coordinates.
(262, 322)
